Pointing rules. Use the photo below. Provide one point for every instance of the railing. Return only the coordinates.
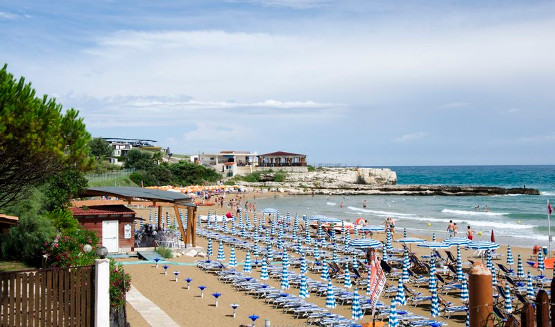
(48, 297)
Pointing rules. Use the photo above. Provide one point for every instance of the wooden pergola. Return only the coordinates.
(158, 198)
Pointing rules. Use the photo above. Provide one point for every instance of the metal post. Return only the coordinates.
(267, 323)
(480, 289)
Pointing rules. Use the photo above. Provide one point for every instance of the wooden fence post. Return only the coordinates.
(542, 308)
(527, 316)
(480, 304)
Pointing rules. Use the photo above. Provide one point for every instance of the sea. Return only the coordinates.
(519, 220)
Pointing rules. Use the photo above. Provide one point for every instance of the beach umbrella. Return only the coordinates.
(233, 231)
(366, 244)
(508, 299)
(541, 263)
(330, 296)
(209, 248)
(347, 279)
(256, 250)
(254, 220)
(493, 277)
(464, 292)
(347, 247)
(221, 254)
(492, 237)
(284, 278)
(460, 274)
(316, 253)
(299, 248)
(393, 322)
(482, 245)
(368, 285)
(232, 257)
(467, 318)
(304, 266)
(489, 262)
(247, 266)
(457, 241)
(355, 263)
(150, 217)
(356, 310)
(520, 268)
(303, 292)
(335, 258)
(156, 217)
(285, 259)
(435, 303)
(372, 228)
(510, 260)
(410, 240)
(320, 230)
(253, 317)
(406, 264)
(270, 252)
(404, 233)
(243, 231)
(388, 240)
(264, 269)
(434, 245)
(325, 272)
(224, 223)
(384, 252)
(432, 278)
(529, 288)
(400, 297)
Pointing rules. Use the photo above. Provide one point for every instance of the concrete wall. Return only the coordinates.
(292, 169)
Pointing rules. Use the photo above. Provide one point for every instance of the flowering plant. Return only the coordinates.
(66, 250)
(120, 284)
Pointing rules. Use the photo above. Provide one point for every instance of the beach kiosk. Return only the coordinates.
(108, 216)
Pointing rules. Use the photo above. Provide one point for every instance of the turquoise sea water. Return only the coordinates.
(517, 220)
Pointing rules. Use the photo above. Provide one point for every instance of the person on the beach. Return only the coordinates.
(469, 233)
(486, 210)
(364, 204)
(455, 229)
(450, 228)
(341, 205)
(476, 207)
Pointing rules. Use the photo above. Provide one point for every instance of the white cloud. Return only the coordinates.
(295, 4)
(538, 139)
(406, 138)
(7, 15)
(455, 105)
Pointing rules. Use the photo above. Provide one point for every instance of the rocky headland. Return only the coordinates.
(369, 181)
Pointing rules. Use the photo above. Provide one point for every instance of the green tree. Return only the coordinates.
(37, 140)
(140, 160)
(61, 188)
(100, 148)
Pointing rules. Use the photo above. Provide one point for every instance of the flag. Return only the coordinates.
(549, 210)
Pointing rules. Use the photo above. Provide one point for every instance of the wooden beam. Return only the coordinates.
(183, 236)
(160, 218)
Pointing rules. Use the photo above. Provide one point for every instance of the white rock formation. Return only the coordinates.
(365, 176)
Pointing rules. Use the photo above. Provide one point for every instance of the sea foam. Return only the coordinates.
(473, 213)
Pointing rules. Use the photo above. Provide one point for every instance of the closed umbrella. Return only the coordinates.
(400, 297)
(508, 299)
(284, 278)
(393, 322)
(325, 273)
(286, 259)
(460, 274)
(209, 248)
(256, 250)
(541, 263)
(224, 223)
(384, 253)
(356, 310)
(368, 284)
(304, 266)
(464, 292)
(406, 264)
(493, 276)
(264, 269)
(232, 257)
(270, 252)
(221, 254)
(510, 261)
(303, 292)
(489, 262)
(520, 268)
(316, 253)
(335, 258)
(347, 279)
(435, 303)
(330, 296)
(529, 287)
(247, 267)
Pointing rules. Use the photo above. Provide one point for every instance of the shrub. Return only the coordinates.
(280, 176)
(120, 284)
(67, 249)
(164, 252)
(311, 168)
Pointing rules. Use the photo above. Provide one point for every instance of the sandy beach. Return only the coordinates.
(187, 308)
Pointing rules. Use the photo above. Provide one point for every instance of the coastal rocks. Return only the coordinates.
(322, 177)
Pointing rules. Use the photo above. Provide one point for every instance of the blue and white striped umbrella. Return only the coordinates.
(243, 231)
(316, 253)
(284, 278)
(457, 241)
(467, 318)
(435, 303)
(209, 248)
(368, 285)
(388, 241)
(356, 310)
(199, 222)
(493, 276)
(393, 322)
(221, 254)
(264, 269)
(343, 228)
(141, 223)
(325, 271)
(247, 267)
(233, 230)
(406, 264)
(270, 252)
(432, 284)
(347, 247)
(330, 296)
(285, 259)
(254, 220)
(307, 238)
(520, 268)
(355, 263)
(320, 230)
(372, 228)
(384, 253)
(335, 258)
(508, 299)
(510, 260)
(232, 257)
(410, 240)
(541, 263)
(304, 266)
(460, 274)
(529, 287)
(464, 292)
(303, 292)
(156, 217)
(400, 297)
(489, 261)
(347, 279)
(256, 248)
(434, 245)
(224, 223)
(299, 247)
(150, 217)
(482, 245)
(366, 243)
(167, 219)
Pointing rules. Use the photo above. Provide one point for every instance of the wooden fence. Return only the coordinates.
(48, 297)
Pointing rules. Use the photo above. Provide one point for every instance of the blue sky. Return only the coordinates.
(351, 82)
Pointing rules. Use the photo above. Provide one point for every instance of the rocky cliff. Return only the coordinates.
(338, 177)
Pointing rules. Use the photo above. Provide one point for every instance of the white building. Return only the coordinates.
(229, 163)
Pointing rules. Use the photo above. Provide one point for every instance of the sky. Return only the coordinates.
(373, 83)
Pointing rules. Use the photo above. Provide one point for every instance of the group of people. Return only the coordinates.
(453, 229)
